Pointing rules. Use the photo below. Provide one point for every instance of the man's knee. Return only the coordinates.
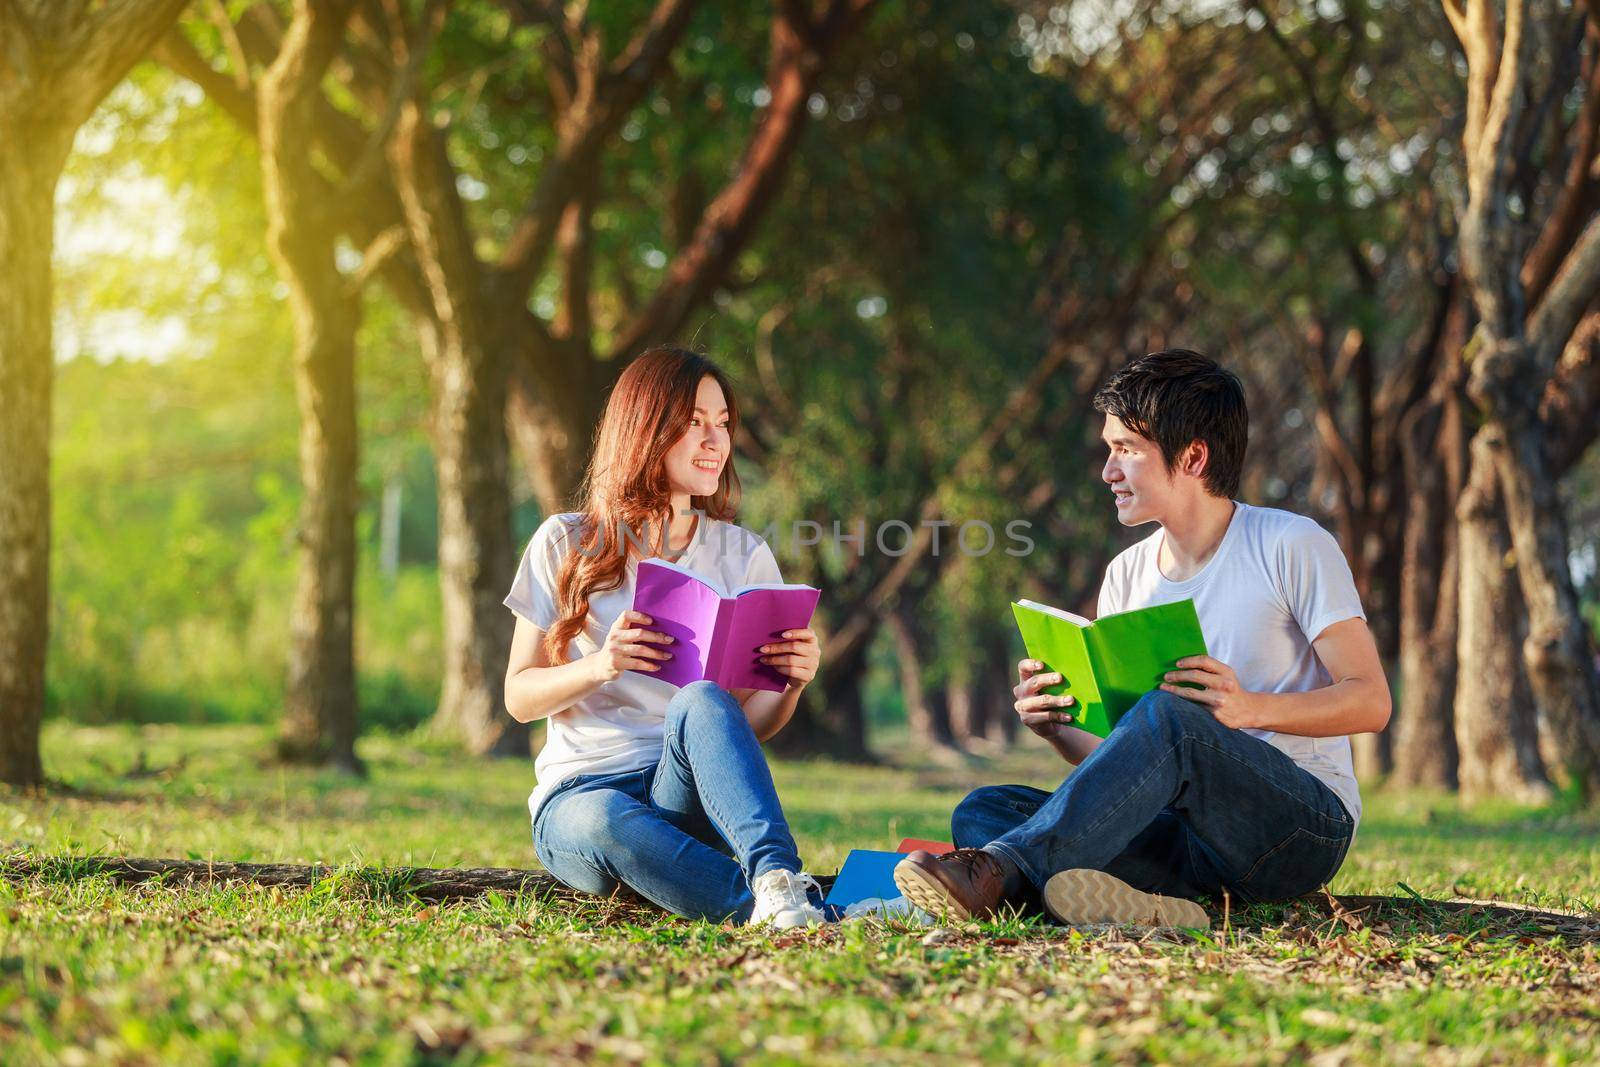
(980, 802)
(1167, 715)
(973, 817)
(985, 812)
(976, 805)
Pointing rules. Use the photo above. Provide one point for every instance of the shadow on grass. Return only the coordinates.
(1319, 914)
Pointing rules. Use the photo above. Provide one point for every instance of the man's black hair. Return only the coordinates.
(1176, 397)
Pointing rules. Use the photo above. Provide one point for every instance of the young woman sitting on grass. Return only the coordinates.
(642, 784)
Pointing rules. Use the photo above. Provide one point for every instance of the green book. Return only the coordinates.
(1108, 664)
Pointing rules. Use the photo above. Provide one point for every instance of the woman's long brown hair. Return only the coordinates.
(626, 490)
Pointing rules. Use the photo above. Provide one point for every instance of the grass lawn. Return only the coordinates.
(92, 972)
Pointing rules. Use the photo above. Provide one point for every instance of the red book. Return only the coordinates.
(912, 844)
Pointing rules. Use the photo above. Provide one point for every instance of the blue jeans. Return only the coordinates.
(1171, 802)
(688, 834)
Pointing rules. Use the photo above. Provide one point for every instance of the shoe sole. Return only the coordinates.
(791, 920)
(1081, 897)
(927, 894)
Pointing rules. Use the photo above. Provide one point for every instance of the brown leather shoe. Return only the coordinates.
(965, 884)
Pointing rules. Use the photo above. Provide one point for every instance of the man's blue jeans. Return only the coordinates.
(688, 834)
(1171, 802)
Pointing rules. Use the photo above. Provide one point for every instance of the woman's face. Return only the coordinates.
(695, 462)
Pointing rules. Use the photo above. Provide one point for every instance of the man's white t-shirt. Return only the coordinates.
(618, 726)
(1275, 583)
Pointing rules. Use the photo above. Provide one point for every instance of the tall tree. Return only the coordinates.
(1529, 309)
(320, 709)
(58, 60)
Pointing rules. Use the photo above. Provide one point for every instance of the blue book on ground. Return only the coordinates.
(865, 873)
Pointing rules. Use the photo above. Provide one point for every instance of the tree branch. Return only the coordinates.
(1571, 291)
(729, 221)
(576, 238)
(1570, 408)
(586, 130)
(384, 247)
(218, 14)
(176, 53)
(103, 46)
(1576, 198)
(409, 57)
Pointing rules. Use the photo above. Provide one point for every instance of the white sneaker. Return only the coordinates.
(782, 900)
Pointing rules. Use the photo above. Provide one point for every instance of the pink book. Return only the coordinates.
(718, 637)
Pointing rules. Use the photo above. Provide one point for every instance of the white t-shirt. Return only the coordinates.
(1276, 582)
(618, 726)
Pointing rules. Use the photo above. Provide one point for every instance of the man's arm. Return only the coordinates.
(1357, 701)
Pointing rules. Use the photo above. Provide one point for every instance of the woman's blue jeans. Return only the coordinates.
(1171, 802)
(689, 834)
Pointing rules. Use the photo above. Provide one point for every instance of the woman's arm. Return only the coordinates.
(535, 689)
(797, 656)
(767, 711)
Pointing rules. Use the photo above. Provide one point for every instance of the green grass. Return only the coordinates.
(356, 969)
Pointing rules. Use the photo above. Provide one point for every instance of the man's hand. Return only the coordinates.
(1230, 703)
(1039, 712)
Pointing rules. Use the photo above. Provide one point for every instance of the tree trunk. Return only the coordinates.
(553, 418)
(320, 708)
(27, 225)
(476, 557)
(993, 682)
(1425, 745)
(968, 715)
(469, 368)
(980, 698)
(320, 704)
(1557, 649)
(1372, 755)
(927, 713)
(57, 62)
(1494, 715)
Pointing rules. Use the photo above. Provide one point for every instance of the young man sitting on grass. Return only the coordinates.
(1244, 784)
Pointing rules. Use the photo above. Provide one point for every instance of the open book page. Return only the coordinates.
(1060, 613)
(682, 605)
(757, 616)
(1133, 650)
(667, 564)
(1060, 644)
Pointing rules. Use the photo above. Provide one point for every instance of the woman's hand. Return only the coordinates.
(1039, 711)
(796, 657)
(629, 646)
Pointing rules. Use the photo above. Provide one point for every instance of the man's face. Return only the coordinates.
(1136, 473)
